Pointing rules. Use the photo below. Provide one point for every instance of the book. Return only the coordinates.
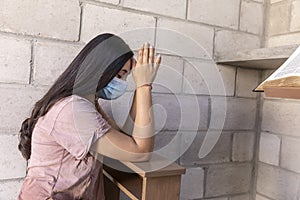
(285, 81)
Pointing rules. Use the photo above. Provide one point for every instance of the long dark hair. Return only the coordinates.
(64, 85)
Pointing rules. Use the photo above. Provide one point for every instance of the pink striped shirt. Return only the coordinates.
(61, 165)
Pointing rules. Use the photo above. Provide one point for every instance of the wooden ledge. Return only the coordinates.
(263, 58)
(141, 180)
(149, 168)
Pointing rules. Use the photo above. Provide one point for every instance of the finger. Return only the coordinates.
(140, 55)
(145, 53)
(151, 54)
(157, 62)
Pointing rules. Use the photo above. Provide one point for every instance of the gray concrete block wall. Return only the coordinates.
(278, 143)
(282, 24)
(16, 101)
(278, 174)
(42, 19)
(40, 42)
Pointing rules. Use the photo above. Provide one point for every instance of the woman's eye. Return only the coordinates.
(119, 76)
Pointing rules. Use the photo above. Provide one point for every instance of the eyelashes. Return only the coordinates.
(119, 76)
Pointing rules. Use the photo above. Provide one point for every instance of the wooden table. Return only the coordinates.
(139, 181)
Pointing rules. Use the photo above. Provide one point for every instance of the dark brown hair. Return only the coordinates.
(64, 87)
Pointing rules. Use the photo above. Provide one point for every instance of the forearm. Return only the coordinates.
(129, 122)
(143, 130)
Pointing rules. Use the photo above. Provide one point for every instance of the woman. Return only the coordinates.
(68, 133)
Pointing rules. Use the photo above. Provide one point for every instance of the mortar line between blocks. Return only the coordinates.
(168, 17)
(280, 151)
(280, 168)
(265, 18)
(214, 44)
(204, 181)
(235, 82)
(240, 11)
(182, 76)
(257, 142)
(32, 49)
(155, 31)
(231, 146)
(80, 21)
(290, 15)
(269, 198)
(186, 9)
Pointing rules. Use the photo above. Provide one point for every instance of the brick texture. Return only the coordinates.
(51, 59)
(239, 115)
(281, 117)
(192, 40)
(228, 179)
(247, 80)
(224, 13)
(295, 16)
(16, 105)
(12, 164)
(219, 153)
(174, 8)
(277, 183)
(192, 183)
(252, 15)
(226, 40)
(9, 189)
(41, 18)
(207, 78)
(243, 146)
(15, 65)
(290, 154)
(135, 29)
(269, 148)
(279, 20)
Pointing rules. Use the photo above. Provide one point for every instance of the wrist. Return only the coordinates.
(148, 85)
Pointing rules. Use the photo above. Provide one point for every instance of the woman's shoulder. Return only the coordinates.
(67, 106)
(80, 99)
(73, 99)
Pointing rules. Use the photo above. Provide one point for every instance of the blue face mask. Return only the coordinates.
(114, 89)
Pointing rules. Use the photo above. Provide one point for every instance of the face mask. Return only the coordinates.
(114, 89)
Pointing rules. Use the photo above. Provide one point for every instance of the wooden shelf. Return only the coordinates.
(143, 180)
(148, 168)
(263, 58)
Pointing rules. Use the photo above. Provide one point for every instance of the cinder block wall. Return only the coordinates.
(278, 173)
(278, 165)
(39, 39)
(282, 22)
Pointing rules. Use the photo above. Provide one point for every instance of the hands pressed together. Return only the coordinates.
(145, 70)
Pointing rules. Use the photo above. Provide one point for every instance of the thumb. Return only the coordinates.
(157, 62)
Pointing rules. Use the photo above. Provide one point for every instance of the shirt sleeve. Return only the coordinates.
(77, 126)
